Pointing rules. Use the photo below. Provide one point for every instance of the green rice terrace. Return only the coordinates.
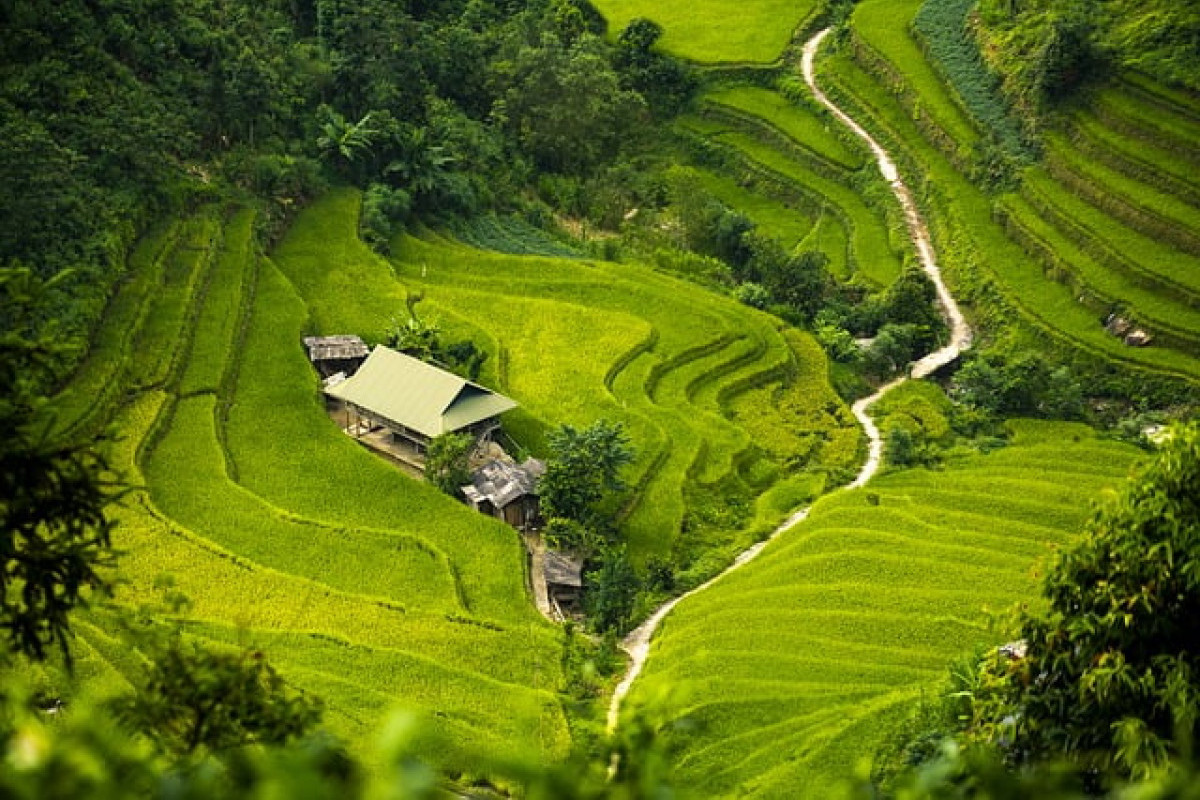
(702, 33)
(812, 620)
(787, 673)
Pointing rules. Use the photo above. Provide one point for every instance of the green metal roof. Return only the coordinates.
(419, 396)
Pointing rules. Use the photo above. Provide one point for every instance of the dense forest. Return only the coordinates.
(691, 274)
(116, 114)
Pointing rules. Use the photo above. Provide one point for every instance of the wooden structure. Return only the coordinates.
(564, 579)
(414, 401)
(507, 491)
(333, 354)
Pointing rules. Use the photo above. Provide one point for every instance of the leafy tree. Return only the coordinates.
(752, 294)
(1111, 679)
(893, 348)
(1000, 382)
(447, 462)
(666, 84)
(567, 534)
(800, 281)
(565, 105)
(584, 467)
(414, 336)
(345, 142)
(54, 530)
(383, 208)
(912, 300)
(611, 592)
(198, 697)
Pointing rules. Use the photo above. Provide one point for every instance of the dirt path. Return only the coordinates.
(637, 643)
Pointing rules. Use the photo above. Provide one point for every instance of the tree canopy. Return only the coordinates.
(1111, 678)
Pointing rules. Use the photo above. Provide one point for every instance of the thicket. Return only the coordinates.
(1047, 50)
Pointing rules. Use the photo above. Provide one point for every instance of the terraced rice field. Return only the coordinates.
(711, 391)
(362, 586)
(1066, 249)
(792, 152)
(702, 32)
(787, 672)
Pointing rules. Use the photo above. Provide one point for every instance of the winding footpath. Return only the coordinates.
(637, 643)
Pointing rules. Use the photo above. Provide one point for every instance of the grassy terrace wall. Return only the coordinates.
(362, 586)
(788, 672)
(789, 151)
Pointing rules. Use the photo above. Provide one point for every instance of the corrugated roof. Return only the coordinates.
(417, 395)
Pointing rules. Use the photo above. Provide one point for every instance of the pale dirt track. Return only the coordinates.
(637, 643)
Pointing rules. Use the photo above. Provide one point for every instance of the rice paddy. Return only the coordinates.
(575, 340)
(362, 585)
(785, 674)
(1080, 266)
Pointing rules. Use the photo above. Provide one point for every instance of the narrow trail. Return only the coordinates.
(637, 643)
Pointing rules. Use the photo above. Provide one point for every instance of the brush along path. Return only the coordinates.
(637, 643)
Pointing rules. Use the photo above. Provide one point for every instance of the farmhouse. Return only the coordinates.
(333, 354)
(506, 491)
(413, 401)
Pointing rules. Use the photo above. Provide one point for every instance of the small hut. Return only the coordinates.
(336, 354)
(564, 578)
(507, 491)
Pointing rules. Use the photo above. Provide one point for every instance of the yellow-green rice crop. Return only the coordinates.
(789, 670)
(703, 32)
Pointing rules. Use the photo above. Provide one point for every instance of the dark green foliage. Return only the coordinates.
(564, 104)
(572, 536)
(583, 469)
(667, 84)
(414, 336)
(383, 210)
(942, 24)
(196, 697)
(446, 462)
(892, 349)
(54, 529)
(611, 592)
(1111, 679)
(1022, 383)
(1045, 51)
